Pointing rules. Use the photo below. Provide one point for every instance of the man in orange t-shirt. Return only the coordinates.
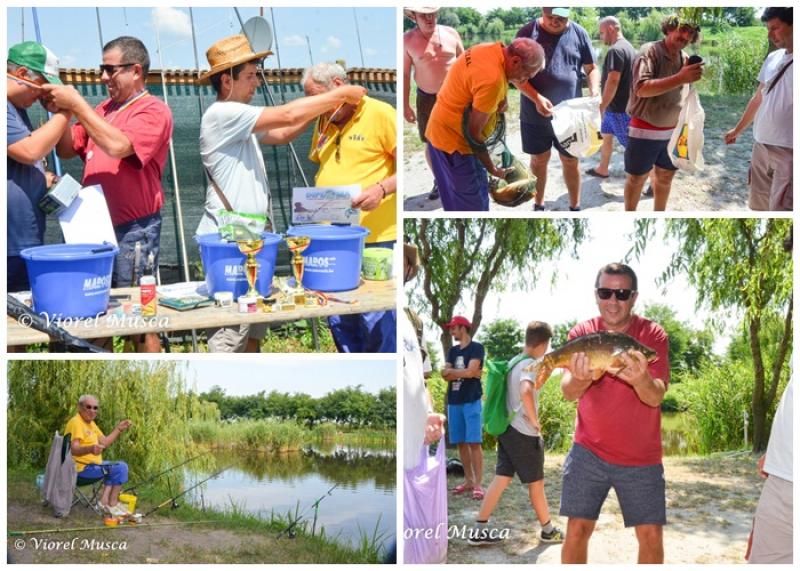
(478, 79)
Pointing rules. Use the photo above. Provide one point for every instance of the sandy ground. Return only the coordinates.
(722, 185)
(710, 505)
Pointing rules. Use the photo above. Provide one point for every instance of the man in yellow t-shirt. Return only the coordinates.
(87, 445)
(357, 144)
(479, 79)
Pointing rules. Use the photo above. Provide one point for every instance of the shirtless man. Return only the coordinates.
(430, 49)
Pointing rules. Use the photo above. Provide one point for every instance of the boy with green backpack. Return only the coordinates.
(511, 414)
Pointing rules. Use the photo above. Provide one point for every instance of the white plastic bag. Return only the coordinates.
(686, 144)
(576, 124)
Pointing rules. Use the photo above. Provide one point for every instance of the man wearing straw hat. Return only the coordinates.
(357, 144)
(123, 143)
(30, 65)
(430, 49)
(230, 132)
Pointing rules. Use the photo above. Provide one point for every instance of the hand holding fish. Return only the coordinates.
(635, 372)
(581, 368)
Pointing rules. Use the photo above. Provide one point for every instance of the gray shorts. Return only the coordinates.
(234, 339)
(772, 526)
(520, 454)
(641, 490)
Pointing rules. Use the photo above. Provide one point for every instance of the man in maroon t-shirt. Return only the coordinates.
(123, 143)
(618, 433)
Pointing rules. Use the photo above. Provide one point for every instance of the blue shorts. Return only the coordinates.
(540, 138)
(642, 154)
(641, 490)
(373, 332)
(464, 422)
(113, 473)
(462, 180)
(146, 231)
(616, 124)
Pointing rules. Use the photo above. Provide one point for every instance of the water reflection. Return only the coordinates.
(262, 484)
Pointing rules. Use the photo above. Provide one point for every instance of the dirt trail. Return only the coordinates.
(710, 504)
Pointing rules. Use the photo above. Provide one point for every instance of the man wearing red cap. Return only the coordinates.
(462, 371)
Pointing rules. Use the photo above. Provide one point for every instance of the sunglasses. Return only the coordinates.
(111, 70)
(607, 292)
(90, 407)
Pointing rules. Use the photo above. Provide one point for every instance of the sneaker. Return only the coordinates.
(555, 536)
(648, 191)
(574, 208)
(117, 510)
(434, 193)
(484, 536)
(538, 207)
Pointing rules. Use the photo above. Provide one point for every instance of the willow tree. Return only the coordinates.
(739, 264)
(462, 260)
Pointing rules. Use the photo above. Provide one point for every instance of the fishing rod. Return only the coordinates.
(23, 314)
(134, 526)
(176, 187)
(315, 505)
(140, 484)
(186, 491)
(268, 94)
(56, 160)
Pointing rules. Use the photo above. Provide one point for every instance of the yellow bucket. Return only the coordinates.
(130, 500)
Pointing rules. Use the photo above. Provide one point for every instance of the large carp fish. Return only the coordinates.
(603, 349)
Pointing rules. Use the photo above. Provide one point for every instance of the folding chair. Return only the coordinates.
(91, 498)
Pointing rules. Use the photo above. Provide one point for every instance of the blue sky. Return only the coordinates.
(301, 374)
(331, 31)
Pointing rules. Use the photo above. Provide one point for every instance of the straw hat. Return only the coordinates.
(409, 12)
(229, 52)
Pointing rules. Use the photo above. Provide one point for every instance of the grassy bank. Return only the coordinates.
(282, 436)
(235, 537)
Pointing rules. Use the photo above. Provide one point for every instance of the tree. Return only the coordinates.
(495, 28)
(468, 16)
(467, 258)
(502, 339)
(588, 19)
(561, 332)
(689, 348)
(448, 17)
(738, 263)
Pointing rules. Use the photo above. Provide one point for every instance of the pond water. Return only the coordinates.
(364, 496)
(677, 434)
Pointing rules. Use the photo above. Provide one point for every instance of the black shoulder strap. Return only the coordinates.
(778, 76)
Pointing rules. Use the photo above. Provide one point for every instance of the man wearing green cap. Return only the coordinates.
(30, 65)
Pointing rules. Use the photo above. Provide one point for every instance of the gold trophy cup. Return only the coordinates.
(250, 248)
(297, 245)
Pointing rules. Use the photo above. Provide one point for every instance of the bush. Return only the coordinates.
(741, 62)
(556, 415)
(716, 400)
(204, 431)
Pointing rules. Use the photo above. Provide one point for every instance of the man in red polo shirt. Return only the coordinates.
(618, 434)
(123, 143)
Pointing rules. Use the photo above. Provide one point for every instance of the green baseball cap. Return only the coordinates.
(36, 57)
(560, 12)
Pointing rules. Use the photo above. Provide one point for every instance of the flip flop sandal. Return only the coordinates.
(477, 493)
(593, 172)
(461, 488)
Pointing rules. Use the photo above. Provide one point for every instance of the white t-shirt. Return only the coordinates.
(231, 153)
(773, 122)
(779, 450)
(514, 401)
(415, 400)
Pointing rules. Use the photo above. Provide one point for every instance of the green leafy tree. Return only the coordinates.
(465, 259)
(468, 16)
(560, 333)
(502, 339)
(588, 19)
(689, 348)
(739, 264)
(448, 17)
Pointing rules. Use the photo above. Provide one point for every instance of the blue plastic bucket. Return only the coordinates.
(333, 258)
(223, 264)
(70, 280)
